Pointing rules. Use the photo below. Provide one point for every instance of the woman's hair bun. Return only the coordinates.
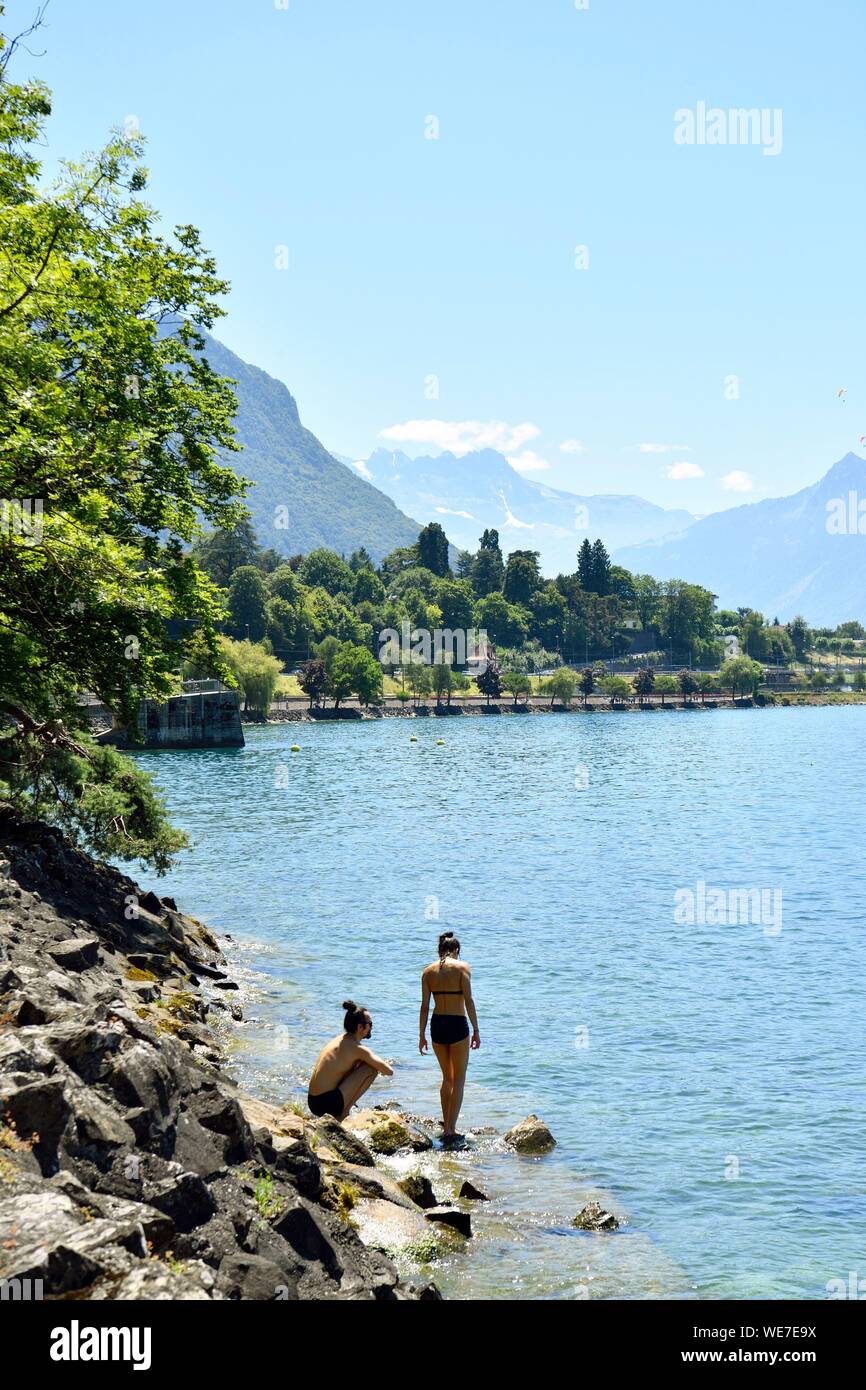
(348, 1003)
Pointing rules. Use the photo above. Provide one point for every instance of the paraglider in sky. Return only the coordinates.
(842, 393)
(863, 438)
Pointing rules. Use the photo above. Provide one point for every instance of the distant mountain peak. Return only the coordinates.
(777, 555)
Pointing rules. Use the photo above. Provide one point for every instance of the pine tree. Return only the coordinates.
(585, 570)
(433, 549)
(600, 569)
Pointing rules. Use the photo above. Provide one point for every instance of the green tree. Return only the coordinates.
(644, 683)
(600, 569)
(666, 685)
(505, 624)
(647, 599)
(366, 676)
(220, 553)
(313, 680)
(248, 597)
(256, 672)
(522, 577)
(587, 684)
(283, 583)
(351, 670)
(489, 680)
(686, 615)
(517, 683)
(488, 567)
(361, 559)
(433, 549)
(562, 685)
(617, 688)
(403, 558)
(740, 675)
(325, 569)
(622, 585)
(798, 631)
(454, 597)
(419, 679)
(367, 587)
(688, 684)
(549, 616)
(708, 684)
(463, 567)
(443, 681)
(115, 423)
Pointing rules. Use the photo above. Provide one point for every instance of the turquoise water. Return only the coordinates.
(709, 1079)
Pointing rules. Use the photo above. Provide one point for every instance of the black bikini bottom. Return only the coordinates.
(449, 1028)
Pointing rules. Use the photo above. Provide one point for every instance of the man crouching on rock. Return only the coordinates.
(345, 1068)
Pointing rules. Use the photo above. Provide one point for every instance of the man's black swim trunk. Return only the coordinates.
(328, 1103)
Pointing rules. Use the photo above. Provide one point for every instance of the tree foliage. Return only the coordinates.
(113, 426)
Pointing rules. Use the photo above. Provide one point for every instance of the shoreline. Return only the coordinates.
(130, 1166)
(297, 711)
(133, 1167)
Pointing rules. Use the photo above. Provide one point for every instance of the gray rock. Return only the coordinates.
(450, 1216)
(531, 1136)
(250, 1277)
(593, 1217)
(472, 1193)
(186, 1198)
(78, 953)
(347, 1146)
(419, 1189)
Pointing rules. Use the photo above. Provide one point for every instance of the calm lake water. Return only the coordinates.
(704, 1075)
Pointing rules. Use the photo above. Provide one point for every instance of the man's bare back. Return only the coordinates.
(345, 1068)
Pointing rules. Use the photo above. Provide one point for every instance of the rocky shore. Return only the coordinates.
(130, 1166)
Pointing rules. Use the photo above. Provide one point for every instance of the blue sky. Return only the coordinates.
(411, 258)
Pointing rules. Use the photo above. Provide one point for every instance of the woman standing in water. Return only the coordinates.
(449, 980)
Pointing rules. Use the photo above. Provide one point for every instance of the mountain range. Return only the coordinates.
(467, 493)
(783, 556)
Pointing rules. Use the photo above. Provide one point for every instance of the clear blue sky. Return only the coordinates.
(411, 257)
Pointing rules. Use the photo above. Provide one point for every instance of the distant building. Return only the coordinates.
(780, 678)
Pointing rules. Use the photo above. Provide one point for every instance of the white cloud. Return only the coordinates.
(511, 519)
(447, 511)
(571, 446)
(681, 470)
(463, 436)
(660, 448)
(738, 481)
(363, 469)
(527, 462)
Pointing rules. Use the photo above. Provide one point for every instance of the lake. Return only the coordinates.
(665, 918)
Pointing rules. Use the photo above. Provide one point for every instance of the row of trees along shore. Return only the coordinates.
(144, 567)
(325, 613)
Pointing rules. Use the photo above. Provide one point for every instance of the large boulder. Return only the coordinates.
(343, 1143)
(388, 1131)
(45, 1236)
(531, 1136)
